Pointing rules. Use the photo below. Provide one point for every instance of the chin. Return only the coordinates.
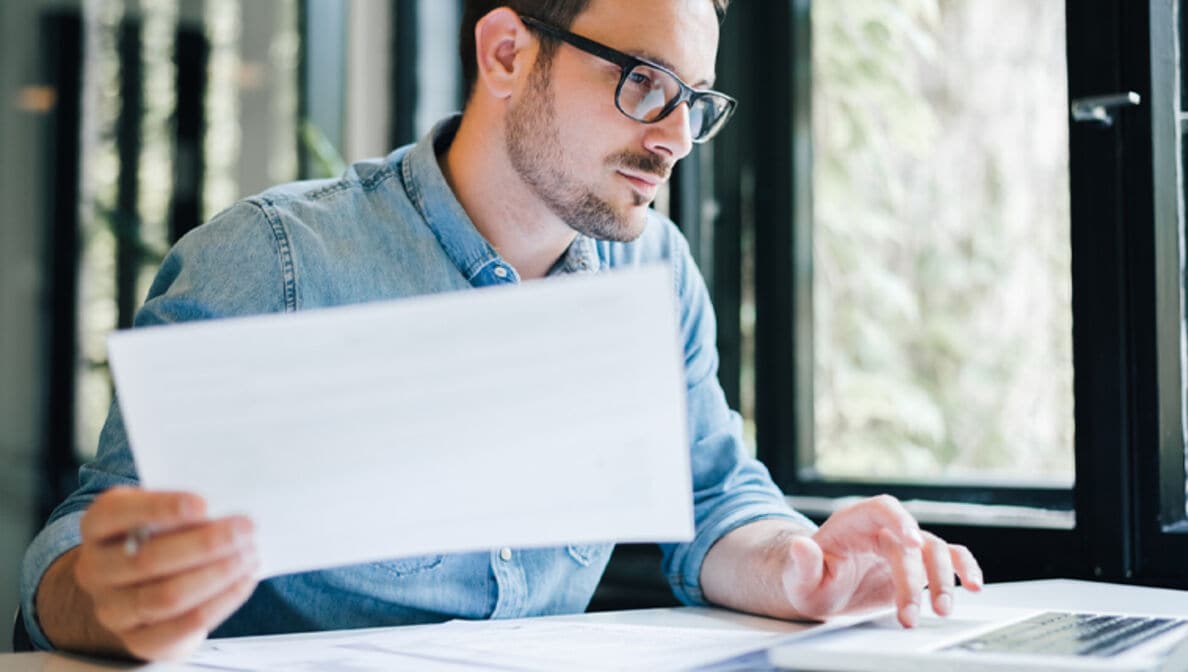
(602, 221)
(634, 225)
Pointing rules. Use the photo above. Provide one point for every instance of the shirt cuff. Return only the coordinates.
(686, 581)
(58, 537)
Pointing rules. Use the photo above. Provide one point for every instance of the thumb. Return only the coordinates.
(805, 569)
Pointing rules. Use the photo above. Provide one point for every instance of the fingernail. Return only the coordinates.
(944, 604)
(914, 536)
(911, 614)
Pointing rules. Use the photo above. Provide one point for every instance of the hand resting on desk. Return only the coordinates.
(867, 555)
(154, 598)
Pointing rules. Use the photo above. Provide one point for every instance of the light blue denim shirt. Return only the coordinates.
(392, 228)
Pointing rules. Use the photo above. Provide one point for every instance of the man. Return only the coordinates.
(577, 112)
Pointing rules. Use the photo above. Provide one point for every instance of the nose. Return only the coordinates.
(671, 135)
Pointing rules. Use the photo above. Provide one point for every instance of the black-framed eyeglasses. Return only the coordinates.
(648, 92)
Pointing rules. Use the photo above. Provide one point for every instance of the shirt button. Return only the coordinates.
(505, 554)
(501, 272)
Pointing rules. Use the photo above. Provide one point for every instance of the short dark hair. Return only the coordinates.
(560, 13)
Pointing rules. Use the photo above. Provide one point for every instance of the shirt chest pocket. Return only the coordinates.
(587, 554)
(403, 567)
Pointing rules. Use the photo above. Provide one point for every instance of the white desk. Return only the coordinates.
(1056, 594)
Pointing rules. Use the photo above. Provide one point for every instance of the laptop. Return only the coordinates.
(993, 638)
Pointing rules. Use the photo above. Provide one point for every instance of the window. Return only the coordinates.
(941, 278)
(166, 97)
(167, 113)
(960, 295)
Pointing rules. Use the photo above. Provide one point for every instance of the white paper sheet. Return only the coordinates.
(547, 413)
(583, 643)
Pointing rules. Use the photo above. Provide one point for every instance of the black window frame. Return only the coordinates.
(1161, 524)
(1127, 297)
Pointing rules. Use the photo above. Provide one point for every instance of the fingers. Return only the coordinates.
(938, 562)
(943, 561)
(118, 510)
(167, 599)
(901, 560)
(162, 597)
(165, 554)
(907, 575)
(857, 528)
(967, 567)
(168, 577)
(178, 637)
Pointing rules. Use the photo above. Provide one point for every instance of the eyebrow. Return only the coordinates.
(653, 58)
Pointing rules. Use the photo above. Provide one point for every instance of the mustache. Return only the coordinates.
(644, 163)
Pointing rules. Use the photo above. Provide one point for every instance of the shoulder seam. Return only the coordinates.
(284, 251)
(382, 175)
(410, 186)
(371, 183)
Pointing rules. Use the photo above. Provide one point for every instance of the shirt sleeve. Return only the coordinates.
(234, 265)
(730, 488)
(111, 467)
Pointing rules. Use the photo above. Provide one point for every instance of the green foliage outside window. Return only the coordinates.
(941, 271)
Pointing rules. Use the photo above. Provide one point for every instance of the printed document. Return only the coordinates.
(543, 414)
(654, 639)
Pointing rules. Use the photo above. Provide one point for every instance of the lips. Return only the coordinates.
(644, 183)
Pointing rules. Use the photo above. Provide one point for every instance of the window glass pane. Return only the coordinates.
(942, 278)
(249, 112)
(97, 258)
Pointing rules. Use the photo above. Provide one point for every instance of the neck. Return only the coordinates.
(502, 207)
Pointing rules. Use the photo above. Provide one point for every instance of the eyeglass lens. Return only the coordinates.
(646, 92)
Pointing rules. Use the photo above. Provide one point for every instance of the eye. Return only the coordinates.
(639, 78)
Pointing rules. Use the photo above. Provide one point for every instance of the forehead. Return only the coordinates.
(681, 34)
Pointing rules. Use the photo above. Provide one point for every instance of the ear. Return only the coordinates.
(503, 49)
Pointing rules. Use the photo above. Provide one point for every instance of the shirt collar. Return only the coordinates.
(580, 257)
(433, 198)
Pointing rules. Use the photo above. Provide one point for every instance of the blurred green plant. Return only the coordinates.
(323, 158)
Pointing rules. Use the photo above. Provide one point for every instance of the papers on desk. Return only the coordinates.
(538, 415)
(590, 642)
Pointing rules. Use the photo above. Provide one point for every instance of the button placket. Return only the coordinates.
(512, 585)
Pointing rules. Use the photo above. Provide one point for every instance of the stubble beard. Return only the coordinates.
(535, 151)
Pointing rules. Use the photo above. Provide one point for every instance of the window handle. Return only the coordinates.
(1100, 108)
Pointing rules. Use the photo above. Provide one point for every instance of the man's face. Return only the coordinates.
(592, 166)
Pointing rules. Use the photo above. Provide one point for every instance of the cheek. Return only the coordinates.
(584, 147)
(589, 125)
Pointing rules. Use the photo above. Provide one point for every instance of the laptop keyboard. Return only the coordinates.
(1070, 634)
